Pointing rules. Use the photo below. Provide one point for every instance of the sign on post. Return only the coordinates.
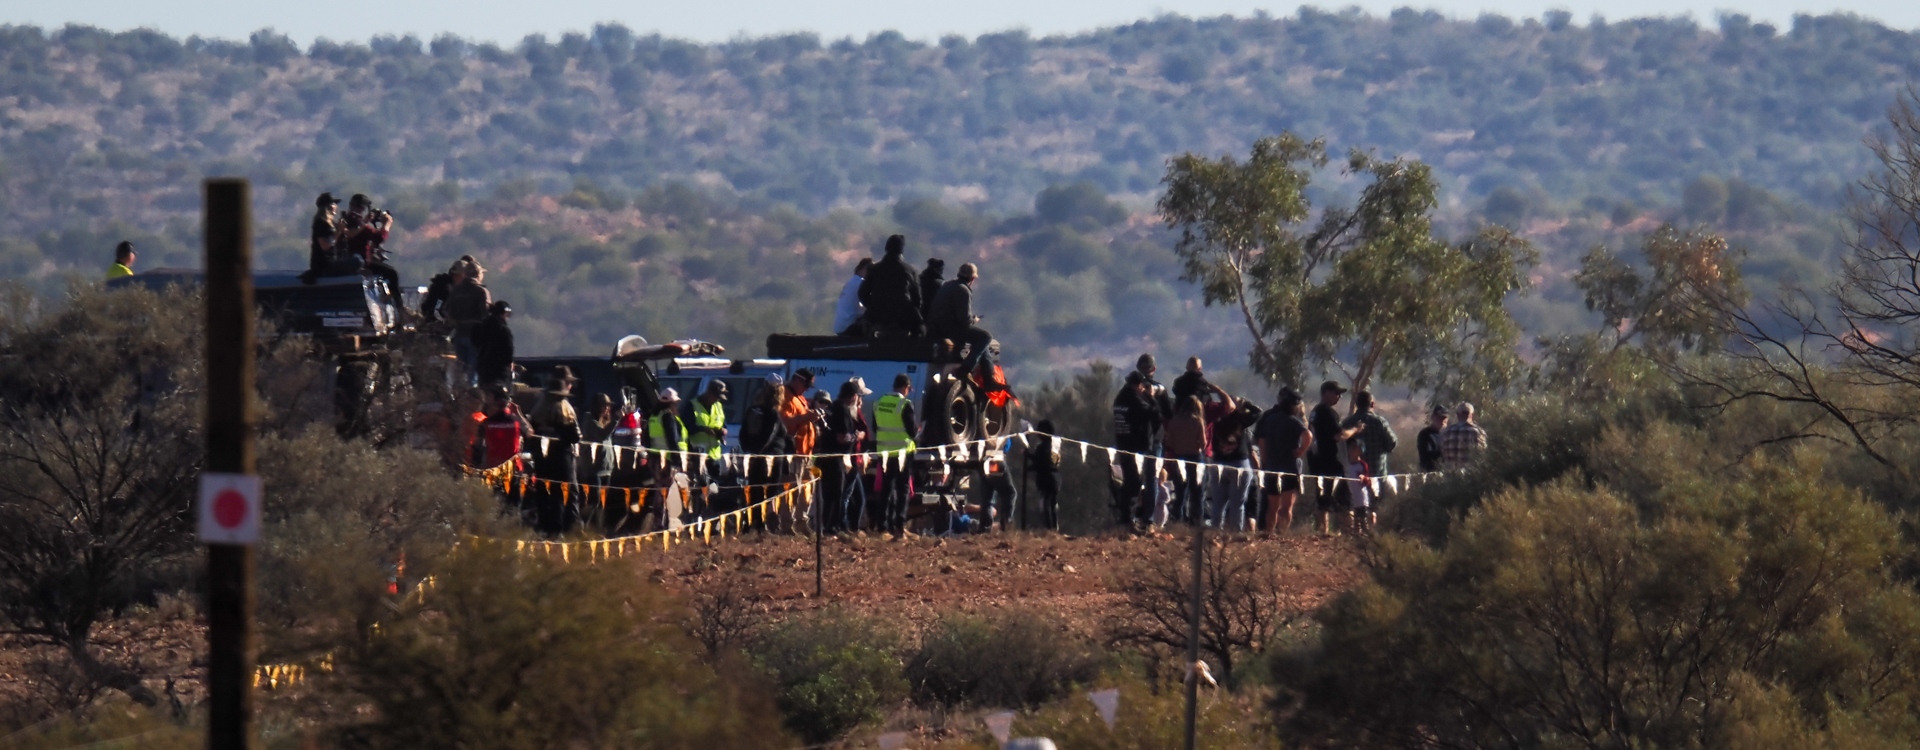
(229, 508)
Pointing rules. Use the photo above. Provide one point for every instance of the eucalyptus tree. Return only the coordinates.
(1370, 289)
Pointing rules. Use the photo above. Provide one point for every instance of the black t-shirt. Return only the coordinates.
(322, 233)
(1325, 455)
(1282, 432)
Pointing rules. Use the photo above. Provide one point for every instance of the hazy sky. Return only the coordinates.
(506, 21)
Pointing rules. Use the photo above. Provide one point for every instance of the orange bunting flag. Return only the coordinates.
(603, 497)
(564, 489)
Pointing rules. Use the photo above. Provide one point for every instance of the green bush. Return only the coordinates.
(1013, 660)
(834, 671)
(1758, 612)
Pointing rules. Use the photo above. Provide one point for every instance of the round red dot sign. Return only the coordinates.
(229, 509)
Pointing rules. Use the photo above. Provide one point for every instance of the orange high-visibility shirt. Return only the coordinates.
(797, 415)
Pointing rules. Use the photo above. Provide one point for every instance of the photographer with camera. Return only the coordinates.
(364, 231)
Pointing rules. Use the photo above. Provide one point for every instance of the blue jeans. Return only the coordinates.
(1230, 495)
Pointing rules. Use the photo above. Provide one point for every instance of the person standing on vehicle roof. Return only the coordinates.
(953, 318)
(848, 316)
(891, 294)
(493, 345)
(122, 261)
(894, 425)
(467, 305)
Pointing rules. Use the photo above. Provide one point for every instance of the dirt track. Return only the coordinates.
(916, 581)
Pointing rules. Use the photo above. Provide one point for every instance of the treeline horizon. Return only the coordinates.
(604, 167)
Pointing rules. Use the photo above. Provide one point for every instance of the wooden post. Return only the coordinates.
(230, 375)
(1193, 627)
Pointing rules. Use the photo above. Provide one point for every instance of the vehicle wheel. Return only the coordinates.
(952, 416)
(999, 421)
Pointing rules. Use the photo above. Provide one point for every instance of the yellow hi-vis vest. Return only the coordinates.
(890, 424)
(657, 436)
(713, 418)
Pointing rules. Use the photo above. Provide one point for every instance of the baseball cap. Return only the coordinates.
(668, 395)
(1332, 386)
(326, 199)
(773, 378)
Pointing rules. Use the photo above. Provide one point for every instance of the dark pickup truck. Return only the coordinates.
(331, 307)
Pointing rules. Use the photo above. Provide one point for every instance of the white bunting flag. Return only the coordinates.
(543, 446)
(942, 450)
(846, 461)
(1322, 484)
(1393, 485)
(1001, 725)
(1140, 462)
(1055, 442)
(1373, 486)
(1022, 437)
(1083, 450)
(1108, 703)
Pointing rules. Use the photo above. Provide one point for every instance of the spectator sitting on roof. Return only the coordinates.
(891, 294)
(953, 317)
(849, 318)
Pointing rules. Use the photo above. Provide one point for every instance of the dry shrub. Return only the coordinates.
(1152, 720)
(1241, 605)
(511, 652)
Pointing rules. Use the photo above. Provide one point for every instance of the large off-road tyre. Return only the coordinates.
(999, 421)
(953, 415)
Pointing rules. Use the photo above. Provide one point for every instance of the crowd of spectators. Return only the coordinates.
(1210, 445)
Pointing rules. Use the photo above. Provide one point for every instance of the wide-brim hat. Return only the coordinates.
(561, 379)
(669, 395)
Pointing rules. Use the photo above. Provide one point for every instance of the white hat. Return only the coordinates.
(773, 378)
(669, 394)
(861, 384)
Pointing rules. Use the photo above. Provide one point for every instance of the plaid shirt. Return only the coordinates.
(1460, 444)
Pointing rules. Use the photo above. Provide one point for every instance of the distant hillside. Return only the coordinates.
(93, 123)
(619, 183)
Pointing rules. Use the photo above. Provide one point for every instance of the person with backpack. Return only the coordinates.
(441, 285)
(1043, 463)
